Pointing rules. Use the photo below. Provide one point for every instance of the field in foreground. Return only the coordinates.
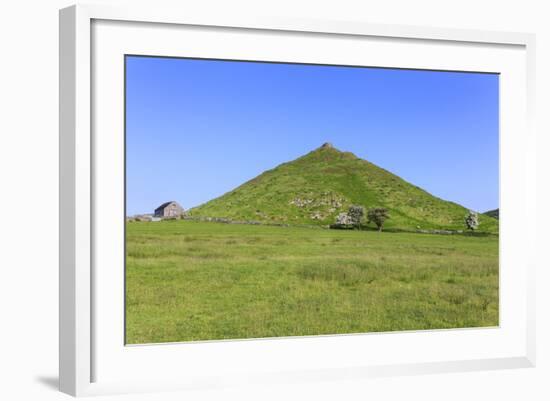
(190, 281)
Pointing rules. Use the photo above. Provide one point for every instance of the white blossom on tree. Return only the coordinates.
(471, 220)
(344, 219)
(357, 215)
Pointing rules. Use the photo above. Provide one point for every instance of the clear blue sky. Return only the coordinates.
(196, 129)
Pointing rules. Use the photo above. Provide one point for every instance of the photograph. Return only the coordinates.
(277, 199)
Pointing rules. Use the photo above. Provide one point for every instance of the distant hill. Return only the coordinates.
(492, 213)
(314, 188)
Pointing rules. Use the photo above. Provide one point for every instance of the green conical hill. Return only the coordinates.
(316, 187)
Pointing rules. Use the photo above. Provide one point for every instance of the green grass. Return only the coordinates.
(202, 281)
(326, 175)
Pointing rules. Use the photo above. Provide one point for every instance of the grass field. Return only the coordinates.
(190, 280)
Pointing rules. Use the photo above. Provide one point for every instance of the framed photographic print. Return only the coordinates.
(274, 200)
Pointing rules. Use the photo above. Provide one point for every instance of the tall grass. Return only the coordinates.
(201, 281)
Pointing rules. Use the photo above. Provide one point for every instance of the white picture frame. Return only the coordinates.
(92, 355)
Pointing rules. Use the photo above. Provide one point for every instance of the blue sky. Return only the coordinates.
(196, 129)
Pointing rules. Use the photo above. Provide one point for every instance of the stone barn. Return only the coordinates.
(169, 209)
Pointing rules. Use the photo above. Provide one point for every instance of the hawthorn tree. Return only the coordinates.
(378, 216)
(357, 215)
(471, 220)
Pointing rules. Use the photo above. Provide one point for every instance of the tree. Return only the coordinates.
(378, 216)
(471, 220)
(357, 215)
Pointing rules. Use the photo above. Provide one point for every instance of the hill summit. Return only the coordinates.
(315, 188)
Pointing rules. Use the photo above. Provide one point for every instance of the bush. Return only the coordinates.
(343, 220)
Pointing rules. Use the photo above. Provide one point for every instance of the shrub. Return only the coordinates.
(343, 220)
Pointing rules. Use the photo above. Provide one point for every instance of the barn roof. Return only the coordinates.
(166, 204)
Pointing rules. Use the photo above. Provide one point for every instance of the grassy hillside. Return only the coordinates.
(492, 213)
(314, 188)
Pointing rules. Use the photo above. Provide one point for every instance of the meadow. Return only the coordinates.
(188, 280)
